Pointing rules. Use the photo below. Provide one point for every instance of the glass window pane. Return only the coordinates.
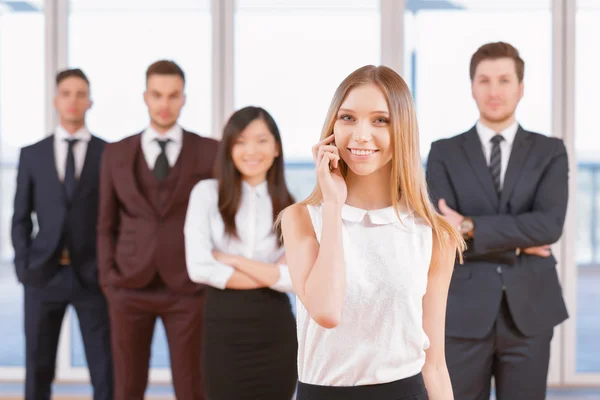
(587, 152)
(139, 34)
(116, 60)
(301, 178)
(291, 56)
(22, 115)
(441, 36)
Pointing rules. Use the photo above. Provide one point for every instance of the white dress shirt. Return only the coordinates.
(61, 148)
(152, 150)
(381, 337)
(486, 134)
(205, 231)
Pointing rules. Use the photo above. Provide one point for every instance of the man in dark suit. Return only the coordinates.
(506, 189)
(145, 186)
(58, 181)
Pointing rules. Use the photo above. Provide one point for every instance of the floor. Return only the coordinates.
(162, 392)
(572, 396)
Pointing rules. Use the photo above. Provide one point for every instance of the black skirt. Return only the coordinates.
(249, 348)
(412, 388)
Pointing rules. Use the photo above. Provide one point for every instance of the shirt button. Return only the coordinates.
(499, 269)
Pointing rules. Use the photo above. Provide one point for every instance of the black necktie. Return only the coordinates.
(496, 161)
(70, 182)
(162, 167)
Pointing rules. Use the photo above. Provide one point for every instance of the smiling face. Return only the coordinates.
(362, 130)
(254, 151)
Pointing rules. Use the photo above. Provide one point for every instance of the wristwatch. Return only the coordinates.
(466, 227)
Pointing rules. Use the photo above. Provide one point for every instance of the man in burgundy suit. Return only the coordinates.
(145, 183)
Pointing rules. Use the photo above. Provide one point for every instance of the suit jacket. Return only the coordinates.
(40, 191)
(136, 241)
(529, 212)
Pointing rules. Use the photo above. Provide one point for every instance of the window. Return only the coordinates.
(116, 61)
(587, 153)
(22, 104)
(293, 74)
(440, 40)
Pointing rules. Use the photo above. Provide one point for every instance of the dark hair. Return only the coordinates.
(68, 73)
(230, 179)
(494, 51)
(164, 67)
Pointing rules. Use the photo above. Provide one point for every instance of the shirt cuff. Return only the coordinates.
(216, 275)
(284, 283)
(221, 276)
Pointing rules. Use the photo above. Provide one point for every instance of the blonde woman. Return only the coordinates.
(370, 259)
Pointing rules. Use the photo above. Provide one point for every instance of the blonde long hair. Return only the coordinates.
(407, 177)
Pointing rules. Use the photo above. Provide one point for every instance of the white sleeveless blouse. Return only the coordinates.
(380, 338)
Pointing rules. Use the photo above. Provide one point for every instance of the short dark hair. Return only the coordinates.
(494, 51)
(165, 67)
(68, 73)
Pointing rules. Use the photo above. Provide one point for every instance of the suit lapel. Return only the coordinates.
(48, 162)
(473, 149)
(125, 173)
(187, 158)
(518, 155)
(91, 159)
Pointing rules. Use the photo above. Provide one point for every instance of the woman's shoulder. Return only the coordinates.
(295, 213)
(298, 218)
(409, 216)
(300, 213)
(422, 223)
(206, 190)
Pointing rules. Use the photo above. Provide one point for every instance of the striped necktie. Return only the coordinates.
(496, 161)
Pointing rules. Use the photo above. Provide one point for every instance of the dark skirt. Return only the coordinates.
(249, 345)
(412, 388)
